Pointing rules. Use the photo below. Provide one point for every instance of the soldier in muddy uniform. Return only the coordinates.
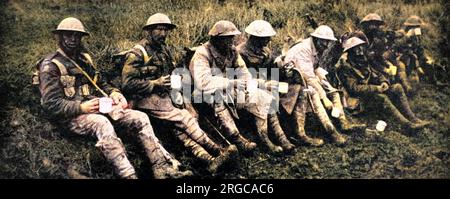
(304, 57)
(221, 78)
(412, 54)
(380, 52)
(146, 79)
(71, 85)
(362, 81)
(258, 56)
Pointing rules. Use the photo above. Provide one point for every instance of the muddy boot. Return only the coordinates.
(228, 154)
(193, 130)
(168, 172)
(328, 125)
(299, 125)
(160, 159)
(397, 115)
(196, 149)
(261, 125)
(132, 177)
(114, 151)
(404, 104)
(226, 123)
(338, 138)
(347, 126)
(274, 123)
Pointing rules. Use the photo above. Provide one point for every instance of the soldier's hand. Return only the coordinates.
(327, 103)
(240, 84)
(119, 99)
(271, 85)
(90, 106)
(384, 86)
(163, 81)
(309, 90)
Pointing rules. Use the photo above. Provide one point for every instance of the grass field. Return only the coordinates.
(32, 148)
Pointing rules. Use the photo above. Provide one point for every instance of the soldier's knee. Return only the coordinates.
(397, 88)
(140, 118)
(101, 120)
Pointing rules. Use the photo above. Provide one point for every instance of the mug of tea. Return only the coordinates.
(381, 125)
(105, 105)
(335, 112)
(252, 85)
(283, 87)
(175, 82)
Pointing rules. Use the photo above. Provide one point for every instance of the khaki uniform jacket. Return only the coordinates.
(63, 91)
(209, 71)
(137, 75)
(360, 82)
(264, 59)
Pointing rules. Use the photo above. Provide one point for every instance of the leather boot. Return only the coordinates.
(114, 151)
(328, 125)
(226, 123)
(199, 136)
(167, 171)
(274, 123)
(261, 125)
(299, 117)
(338, 138)
(347, 126)
(404, 104)
(396, 114)
(226, 155)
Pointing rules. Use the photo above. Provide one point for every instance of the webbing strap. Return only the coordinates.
(144, 52)
(61, 67)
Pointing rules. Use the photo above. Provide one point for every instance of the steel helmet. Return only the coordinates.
(159, 19)
(372, 17)
(260, 28)
(71, 24)
(224, 28)
(413, 20)
(324, 32)
(352, 42)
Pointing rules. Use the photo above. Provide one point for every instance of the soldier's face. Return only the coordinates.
(159, 34)
(321, 44)
(70, 41)
(223, 42)
(357, 54)
(372, 29)
(260, 42)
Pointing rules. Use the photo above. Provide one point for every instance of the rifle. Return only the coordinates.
(291, 67)
(311, 21)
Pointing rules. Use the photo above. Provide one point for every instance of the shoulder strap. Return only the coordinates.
(144, 52)
(89, 59)
(93, 82)
(60, 66)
